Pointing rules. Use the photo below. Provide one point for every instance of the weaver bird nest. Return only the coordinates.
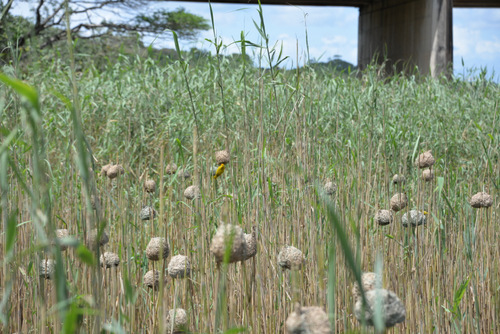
(147, 213)
(150, 186)
(171, 168)
(192, 192)
(231, 236)
(222, 157)
(92, 241)
(152, 279)
(481, 200)
(157, 249)
(176, 321)
(109, 260)
(427, 175)
(62, 234)
(414, 217)
(398, 202)
(114, 170)
(384, 217)
(425, 160)
(310, 320)
(398, 179)
(370, 281)
(392, 309)
(330, 188)
(179, 266)
(47, 268)
(291, 258)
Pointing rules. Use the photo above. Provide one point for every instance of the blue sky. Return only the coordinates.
(332, 31)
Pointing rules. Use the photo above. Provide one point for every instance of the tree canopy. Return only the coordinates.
(88, 20)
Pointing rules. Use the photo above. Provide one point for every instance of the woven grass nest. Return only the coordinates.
(157, 249)
(330, 188)
(114, 170)
(398, 202)
(384, 217)
(62, 234)
(425, 160)
(147, 212)
(398, 179)
(222, 157)
(192, 192)
(171, 168)
(150, 186)
(481, 200)
(232, 236)
(427, 175)
(47, 268)
(291, 258)
(369, 281)
(176, 321)
(92, 241)
(414, 218)
(152, 279)
(393, 310)
(109, 260)
(310, 320)
(179, 267)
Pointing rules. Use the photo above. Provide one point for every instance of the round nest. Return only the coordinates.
(222, 157)
(171, 168)
(414, 217)
(251, 244)
(104, 169)
(370, 281)
(192, 192)
(393, 310)
(176, 321)
(481, 200)
(47, 268)
(179, 266)
(62, 234)
(115, 170)
(184, 173)
(330, 188)
(157, 249)
(150, 186)
(92, 241)
(147, 212)
(427, 175)
(109, 260)
(399, 202)
(228, 236)
(425, 160)
(291, 258)
(152, 279)
(398, 179)
(384, 217)
(310, 320)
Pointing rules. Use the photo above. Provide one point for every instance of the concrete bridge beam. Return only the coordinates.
(407, 34)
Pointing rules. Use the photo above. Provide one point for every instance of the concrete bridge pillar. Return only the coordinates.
(407, 34)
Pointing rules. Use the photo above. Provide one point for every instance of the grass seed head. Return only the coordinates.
(399, 202)
(427, 175)
(147, 212)
(291, 258)
(393, 310)
(179, 266)
(92, 241)
(398, 179)
(152, 279)
(370, 281)
(481, 200)
(109, 260)
(384, 217)
(425, 160)
(157, 249)
(311, 320)
(171, 168)
(47, 268)
(176, 320)
(192, 192)
(150, 186)
(228, 235)
(414, 217)
(222, 157)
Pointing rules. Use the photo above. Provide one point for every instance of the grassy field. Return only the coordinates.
(287, 132)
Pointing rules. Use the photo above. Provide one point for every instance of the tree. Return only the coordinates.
(87, 22)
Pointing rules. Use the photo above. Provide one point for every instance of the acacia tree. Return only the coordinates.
(87, 17)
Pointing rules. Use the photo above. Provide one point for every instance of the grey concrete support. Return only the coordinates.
(407, 34)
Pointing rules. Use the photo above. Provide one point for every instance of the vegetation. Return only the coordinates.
(287, 132)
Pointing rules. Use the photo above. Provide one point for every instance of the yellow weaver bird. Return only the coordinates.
(219, 171)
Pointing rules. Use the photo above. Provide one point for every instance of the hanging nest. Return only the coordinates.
(427, 175)
(414, 217)
(62, 234)
(330, 188)
(481, 200)
(310, 320)
(398, 179)
(92, 241)
(150, 186)
(228, 235)
(171, 168)
(176, 321)
(251, 244)
(157, 249)
(222, 157)
(152, 279)
(179, 266)
(399, 202)
(109, 260)
(393, 310)
(147, 212)
(192, 192)
(384, 217)
(425, 160)
(184, 173)
(47, 268)
(104, 169)
(291, 258)
(114, 170)
(370, 281)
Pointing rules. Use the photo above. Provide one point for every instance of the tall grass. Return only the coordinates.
(288, 131)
